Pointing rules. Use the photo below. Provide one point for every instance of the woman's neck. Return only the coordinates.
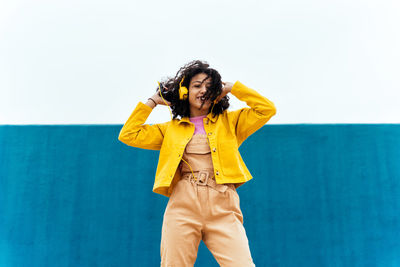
(198, 117)
(198, 113)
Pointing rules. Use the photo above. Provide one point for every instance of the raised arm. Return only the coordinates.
(138, 134)
(249, 120)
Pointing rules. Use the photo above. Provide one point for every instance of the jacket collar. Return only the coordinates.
(209, 116)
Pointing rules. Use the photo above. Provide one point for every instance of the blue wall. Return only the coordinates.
(322, 195)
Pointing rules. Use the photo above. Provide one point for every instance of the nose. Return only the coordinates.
(203, 89)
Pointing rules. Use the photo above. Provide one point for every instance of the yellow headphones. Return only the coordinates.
(183, 94)
(183, 91)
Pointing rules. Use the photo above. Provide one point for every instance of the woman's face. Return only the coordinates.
(197, 88)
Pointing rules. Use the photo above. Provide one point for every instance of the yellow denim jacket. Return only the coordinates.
(226, 132)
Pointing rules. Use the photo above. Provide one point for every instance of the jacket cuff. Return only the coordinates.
(144, 106)
(236, 89)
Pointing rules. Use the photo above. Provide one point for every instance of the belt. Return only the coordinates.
(204, 178)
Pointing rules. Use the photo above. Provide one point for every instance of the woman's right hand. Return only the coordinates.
(160, 101)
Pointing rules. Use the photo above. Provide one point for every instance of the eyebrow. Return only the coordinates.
(200, 82)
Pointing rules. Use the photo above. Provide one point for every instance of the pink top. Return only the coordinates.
(198, 124)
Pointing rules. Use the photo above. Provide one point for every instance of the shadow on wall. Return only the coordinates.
(322, 195)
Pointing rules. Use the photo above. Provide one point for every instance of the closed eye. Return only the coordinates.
(208, 88)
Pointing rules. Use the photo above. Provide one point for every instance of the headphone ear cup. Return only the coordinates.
(183, 92)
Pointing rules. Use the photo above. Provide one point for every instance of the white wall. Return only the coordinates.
(90, 62)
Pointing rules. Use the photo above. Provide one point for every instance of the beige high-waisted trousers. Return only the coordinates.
(207, 212)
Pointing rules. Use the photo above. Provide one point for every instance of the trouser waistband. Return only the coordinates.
(205, 178)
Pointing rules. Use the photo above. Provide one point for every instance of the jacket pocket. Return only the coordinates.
(229, 158)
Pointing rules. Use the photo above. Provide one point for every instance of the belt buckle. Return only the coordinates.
(202, 177)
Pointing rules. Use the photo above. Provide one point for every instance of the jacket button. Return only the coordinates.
(214, 149)
(209, 133)
(216, 172)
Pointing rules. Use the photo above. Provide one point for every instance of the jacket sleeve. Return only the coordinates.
(248, 120)
(137, 134)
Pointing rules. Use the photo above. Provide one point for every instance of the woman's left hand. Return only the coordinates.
(226, 88)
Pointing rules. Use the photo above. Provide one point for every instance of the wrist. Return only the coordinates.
(151, 103)
(151, 99)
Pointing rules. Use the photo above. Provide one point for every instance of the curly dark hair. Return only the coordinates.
(181, 107)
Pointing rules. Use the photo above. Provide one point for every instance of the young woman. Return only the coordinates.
(199, 165)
